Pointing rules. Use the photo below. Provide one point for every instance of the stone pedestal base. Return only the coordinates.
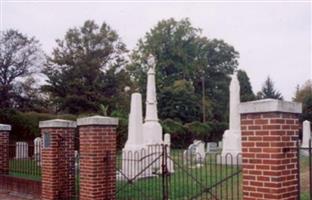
(231, 148)
(136, 163)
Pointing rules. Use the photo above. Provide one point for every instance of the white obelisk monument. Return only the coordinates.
(152, 129)
(232, 136)
(135, 124)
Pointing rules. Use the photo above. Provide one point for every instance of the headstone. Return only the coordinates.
(21, 150)
(37, 150)
(195, 154)
(232, 137)
(220, 144)
(306, 136)
(212, 147)
(167, 141)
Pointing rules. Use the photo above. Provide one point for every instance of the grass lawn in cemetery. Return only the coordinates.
(187, 181)
(25, 168)
(183, 183)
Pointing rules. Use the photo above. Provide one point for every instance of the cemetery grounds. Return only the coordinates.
(186, 182)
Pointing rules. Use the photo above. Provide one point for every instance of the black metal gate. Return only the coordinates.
(158, 173)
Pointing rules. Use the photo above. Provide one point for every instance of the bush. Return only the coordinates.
(199, 131)
(25, 126)
(177, 131)
(217, 130)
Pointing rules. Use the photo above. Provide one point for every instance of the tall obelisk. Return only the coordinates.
(152, 129)
(232, 137)
(135, 126)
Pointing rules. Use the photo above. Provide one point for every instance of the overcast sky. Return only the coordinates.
(273, 38)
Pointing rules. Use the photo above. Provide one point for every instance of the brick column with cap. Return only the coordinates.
(4, 148)
(58, 163)
(270, 131)
(97, 157)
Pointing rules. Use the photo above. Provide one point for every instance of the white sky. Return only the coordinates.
(273, 38)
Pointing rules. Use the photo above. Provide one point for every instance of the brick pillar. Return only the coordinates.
(4, 148)
(270, 130)
(58, 163)
(97, 157)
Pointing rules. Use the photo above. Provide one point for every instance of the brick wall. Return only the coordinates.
(270, 169)
(4, 148)
(97, 158)
(58, 160)
(20, 185)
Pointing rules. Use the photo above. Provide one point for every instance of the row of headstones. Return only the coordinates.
(22, 149)
(198, 151)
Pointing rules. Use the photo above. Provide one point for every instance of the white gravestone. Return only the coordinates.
(195, 154)
(232, 137)
(220, 145)
(306, 136)
(37, 149)
(167, 141)
(212, 147)
(21, 150)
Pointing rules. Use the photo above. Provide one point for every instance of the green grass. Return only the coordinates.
(25, 168)
(187, 181)
(181, 185)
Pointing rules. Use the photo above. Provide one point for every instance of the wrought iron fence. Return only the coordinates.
(305, 172)
(158, 173)
(25, 160)
(77, 176)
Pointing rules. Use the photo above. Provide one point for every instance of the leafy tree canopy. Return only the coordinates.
(304, 96)
(183, 54)
(20, 57)
(86, 69)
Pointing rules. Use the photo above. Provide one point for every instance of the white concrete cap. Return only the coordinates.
(5, 127)
(57, 123)
(97, 120)
(270, 105)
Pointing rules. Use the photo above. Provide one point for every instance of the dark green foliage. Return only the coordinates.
(179, 135)
(304, 96)
(199, 131)
(246, 93)
(268, 91)
(307, 108)
(217, 130)
(179, 102)
(183, 54)
(122, 129)
(25, 126)
(86, 70)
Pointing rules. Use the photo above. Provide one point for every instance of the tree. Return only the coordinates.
(246, 93)
(268, 91)
(179, 102)
(29, 97)
(86, 69)
(183, 54)
(20, 57)
(304, 96)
